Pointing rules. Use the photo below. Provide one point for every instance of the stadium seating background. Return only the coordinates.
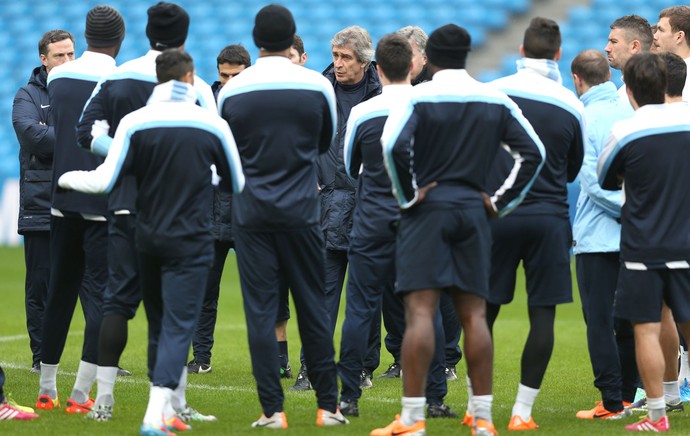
(215, 24)
(587, 26)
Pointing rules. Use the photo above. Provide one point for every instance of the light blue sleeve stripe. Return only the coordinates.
(199, 97)
(101, 145)
(349, 144)
(132, 75)
(96, 90)
(233, 158)
(544, 99)
(121, 158)
(235, 165)
(654, 131)
(606, 166)
(517, 114)
(76, 75)
(389, 160)
(284, 86)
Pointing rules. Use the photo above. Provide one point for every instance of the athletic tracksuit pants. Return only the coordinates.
(79, 268)
(267, 260)
(610, 340)
(173, 291)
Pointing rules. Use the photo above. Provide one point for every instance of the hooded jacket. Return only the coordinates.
(36, 141)
(337, 189)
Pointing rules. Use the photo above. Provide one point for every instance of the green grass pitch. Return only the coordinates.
(229, 391)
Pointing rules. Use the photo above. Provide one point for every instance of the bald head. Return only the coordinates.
(592, 67)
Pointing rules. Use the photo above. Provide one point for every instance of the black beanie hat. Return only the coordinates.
(167, 26)
(274, 28)
(447, 47)
(104, 27)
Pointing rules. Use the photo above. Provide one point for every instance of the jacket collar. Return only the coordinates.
(603, 91)
(173, 91)
(543, 67)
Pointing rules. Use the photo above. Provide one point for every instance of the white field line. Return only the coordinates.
(81, 332)
(145, 381)
(203, 387)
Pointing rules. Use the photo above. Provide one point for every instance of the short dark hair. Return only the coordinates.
(52, 36)
(394, 56)
(173, 64)
(677, 73)
(234, 54)
(636, 28)
(542, 39)
(646, 75)
(678, 19)
(298, 45)
(591, 66)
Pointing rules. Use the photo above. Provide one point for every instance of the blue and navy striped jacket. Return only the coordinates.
(126, 89)
(557, 116)
(376, 210)
(282, 117)
(69, 87)
(650, 152)
(449, 133)
(168, 146)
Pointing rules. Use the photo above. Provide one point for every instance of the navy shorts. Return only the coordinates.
(640, 294)
(442, 246)
(542, 243)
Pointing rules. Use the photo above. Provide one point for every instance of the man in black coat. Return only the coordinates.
(354, 80)
(36, 140)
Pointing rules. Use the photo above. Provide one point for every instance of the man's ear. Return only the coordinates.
(188, 77)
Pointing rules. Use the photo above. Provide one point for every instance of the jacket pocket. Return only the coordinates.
(37, 188)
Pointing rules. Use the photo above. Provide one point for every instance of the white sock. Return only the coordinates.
(48, 382)
(106, 376)
(482, 407)
(412, 410)
(656, 408)
(86, 375)
(671, 392)
(684, 366)
(179, 397)
(158, 398)
(470, 408)
(524, 401)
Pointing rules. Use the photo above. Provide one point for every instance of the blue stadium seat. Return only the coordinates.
(216, 23)
(579, 14)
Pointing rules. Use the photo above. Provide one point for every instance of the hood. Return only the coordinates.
(39, 77)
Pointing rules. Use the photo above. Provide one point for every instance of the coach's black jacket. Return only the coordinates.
(36, 144)
(337, 189)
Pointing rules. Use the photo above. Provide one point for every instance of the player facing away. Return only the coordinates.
(647, 156)
(438, 149)
(169, 146)
(276, 218)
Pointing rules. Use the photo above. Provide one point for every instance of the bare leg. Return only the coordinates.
(281, 331)
(478, 348)
(669, 344)
(650, 360)
(418, 341)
